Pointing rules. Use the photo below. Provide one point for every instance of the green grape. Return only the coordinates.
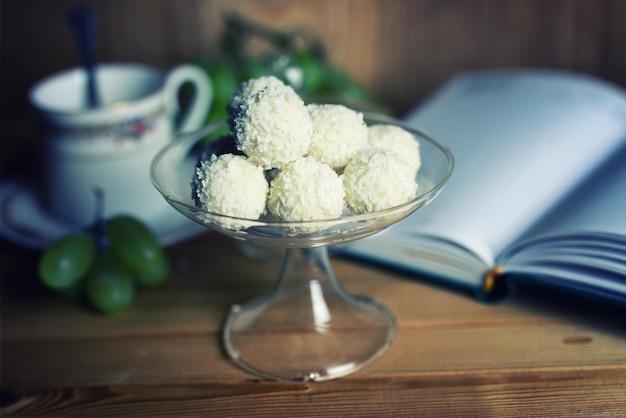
(135, 245)
(218, 114)
(286, 69)
(225, 83)
(254, 68)
(109, 284)
(313, 71)
(67, 260)
(339, 82)
(155, 276)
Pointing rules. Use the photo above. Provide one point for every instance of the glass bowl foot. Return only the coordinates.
(307, 328)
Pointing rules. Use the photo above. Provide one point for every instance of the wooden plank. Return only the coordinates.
(614, 59)
(576, 393)
(195, 358)
(401, 49)
(555, 392)
(533, 353)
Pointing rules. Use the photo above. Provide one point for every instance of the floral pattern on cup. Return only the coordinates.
(134, 129)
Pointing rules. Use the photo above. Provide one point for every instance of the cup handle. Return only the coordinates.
(196, 113)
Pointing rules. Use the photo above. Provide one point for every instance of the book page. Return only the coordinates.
(521, 140)
(598, 206)
(583, 239)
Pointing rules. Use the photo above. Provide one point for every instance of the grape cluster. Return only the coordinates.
(105, 263)
(297, 57)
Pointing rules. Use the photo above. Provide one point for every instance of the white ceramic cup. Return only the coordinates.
(111, 147)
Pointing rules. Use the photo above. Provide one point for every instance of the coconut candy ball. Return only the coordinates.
(272, 127)
(378, 179)
(248, 88)
(231, 185)
(306, 190)
(395, 138)
(339, 133)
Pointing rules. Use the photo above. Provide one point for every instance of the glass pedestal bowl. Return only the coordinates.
(307, 328)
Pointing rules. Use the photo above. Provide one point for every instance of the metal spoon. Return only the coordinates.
(82, 23)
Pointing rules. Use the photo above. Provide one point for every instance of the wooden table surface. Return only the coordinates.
(533, 354)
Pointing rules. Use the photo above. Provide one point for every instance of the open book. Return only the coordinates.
(539, 189)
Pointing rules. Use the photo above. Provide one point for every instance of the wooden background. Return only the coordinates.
(400, 49)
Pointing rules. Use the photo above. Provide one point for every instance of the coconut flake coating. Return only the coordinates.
(272, 127)
(395, 138)
(248, 88)
(231, 185)
(339, 133)
(378, 179)
(306, 190)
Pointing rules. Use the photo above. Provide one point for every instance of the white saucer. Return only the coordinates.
(25, 221)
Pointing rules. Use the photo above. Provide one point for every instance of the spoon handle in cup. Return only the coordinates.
(82, 23)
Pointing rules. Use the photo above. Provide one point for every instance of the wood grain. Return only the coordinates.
(401, 50)
(597, 393)
(180, 359)
(535, 353)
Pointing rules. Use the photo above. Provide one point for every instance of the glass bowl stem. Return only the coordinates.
(307, 327)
